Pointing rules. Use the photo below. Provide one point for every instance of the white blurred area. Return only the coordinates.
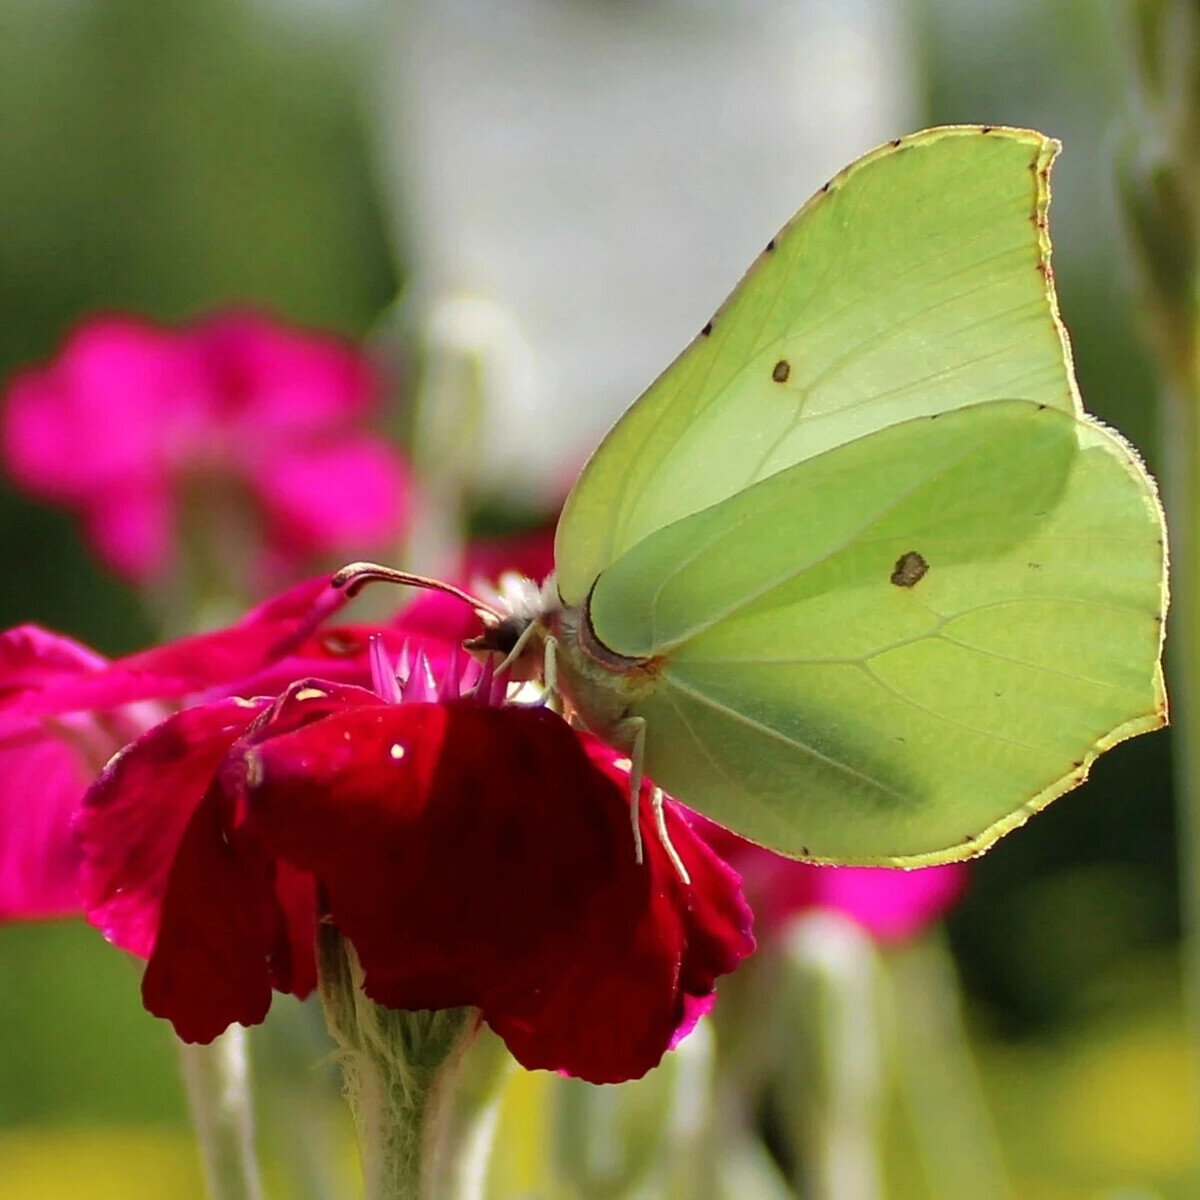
(577, 184)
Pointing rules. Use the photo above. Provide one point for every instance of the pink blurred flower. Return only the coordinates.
(132, 416)
(891, 905)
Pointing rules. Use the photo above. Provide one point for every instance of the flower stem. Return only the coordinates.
(465, 1134)
(216, 1079)
(399, 1070)
(937, 1075)
(835, 1103)
(1159, 178)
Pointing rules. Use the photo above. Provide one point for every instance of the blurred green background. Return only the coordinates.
(167, 156)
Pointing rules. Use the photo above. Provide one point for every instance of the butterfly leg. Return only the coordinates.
(632, 731)
(549, 695)
(635, 729)
(660, 822)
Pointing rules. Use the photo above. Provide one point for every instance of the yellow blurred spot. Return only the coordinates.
(105, 1163)
(519, 1162)
(1125, 1104)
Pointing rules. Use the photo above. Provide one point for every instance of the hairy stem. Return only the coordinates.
(399, 1070)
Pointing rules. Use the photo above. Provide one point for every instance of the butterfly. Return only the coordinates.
(857, 577)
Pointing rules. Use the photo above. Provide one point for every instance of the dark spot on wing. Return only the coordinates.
(782, 370)
(706, 330)
(910, 569)
(895, 143)
(770, 245)
(986, 128)
(804, 850)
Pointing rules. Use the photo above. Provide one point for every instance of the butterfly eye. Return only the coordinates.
(501, 638)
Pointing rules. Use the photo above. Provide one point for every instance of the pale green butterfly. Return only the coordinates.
(857, 577)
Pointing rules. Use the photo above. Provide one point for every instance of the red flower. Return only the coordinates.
(474, 854)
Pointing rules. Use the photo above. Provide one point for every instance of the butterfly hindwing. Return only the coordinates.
(897, 650)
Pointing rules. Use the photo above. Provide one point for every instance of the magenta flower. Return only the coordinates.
(475, 854)
(42, 777)
(65, 710)
(891, 905)
(132, 421)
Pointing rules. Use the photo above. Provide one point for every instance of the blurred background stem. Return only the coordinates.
(938, 1077)
(217, 1081)
(832, 1097)
(462, 1153)
(1159, 179)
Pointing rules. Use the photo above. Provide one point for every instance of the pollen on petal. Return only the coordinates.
(254, 769)
(397, 751)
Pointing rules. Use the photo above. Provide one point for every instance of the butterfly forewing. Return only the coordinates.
(916, 282)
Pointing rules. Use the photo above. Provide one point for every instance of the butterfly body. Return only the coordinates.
(601, 687)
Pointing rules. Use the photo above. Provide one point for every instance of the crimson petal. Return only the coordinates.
(210, 964)
(135, 816)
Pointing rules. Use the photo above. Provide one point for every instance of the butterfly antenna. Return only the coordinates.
(353, 577)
